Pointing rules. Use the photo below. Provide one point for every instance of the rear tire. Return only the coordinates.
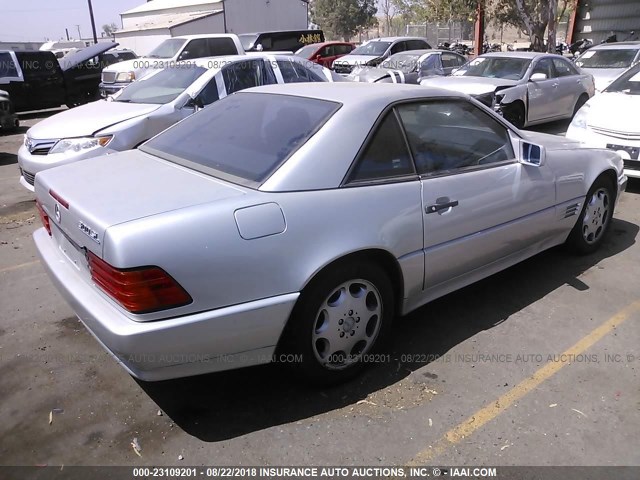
(595, 219)
(342, 316)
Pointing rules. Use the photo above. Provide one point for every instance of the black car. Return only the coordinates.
(37, 79)
(8, 119)
(281, 41)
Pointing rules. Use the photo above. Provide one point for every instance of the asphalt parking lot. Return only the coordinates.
(537, 365)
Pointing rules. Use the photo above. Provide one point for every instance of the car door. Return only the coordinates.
(570, 86)
(327, 55)
(543, 94)
(44, 85)
(449, 62)
(197, 48)
(480, 204)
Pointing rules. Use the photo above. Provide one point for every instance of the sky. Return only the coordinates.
(38, 20)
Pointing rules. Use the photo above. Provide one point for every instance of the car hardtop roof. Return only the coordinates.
(355, 93)
(530, 55)
(204, 35)
(630, 45)
(393, 39)
(422, 51)
(220, 60)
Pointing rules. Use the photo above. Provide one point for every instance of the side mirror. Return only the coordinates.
(195, 103)
(538, 77)
(532, 154)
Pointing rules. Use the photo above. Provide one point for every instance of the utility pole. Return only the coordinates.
(79, 35)
(93, 23)
(67, 30)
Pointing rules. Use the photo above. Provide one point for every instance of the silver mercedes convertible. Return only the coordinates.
(299, 220)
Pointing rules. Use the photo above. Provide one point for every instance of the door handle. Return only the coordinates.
(437, 207)
(555, 85)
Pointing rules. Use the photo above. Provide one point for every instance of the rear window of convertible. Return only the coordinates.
(245, 137)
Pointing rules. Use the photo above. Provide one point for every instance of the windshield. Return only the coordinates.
(628, 82)
(306, 52)
(608, 58)
(243, 138)
(162, 87)
(167, 49)
(372, 48)
(405, 62)
(508, 68)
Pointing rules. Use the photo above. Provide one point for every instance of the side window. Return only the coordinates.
(221, 46)
(461, 60)
(195, 49)
(564, 68)
(293, 72)
(448, 135)
(7, 66)
(449, 60)
(545, 66)
(416, 45)
(385, 156)
(209, 93)
(399, 47)
(244, 74)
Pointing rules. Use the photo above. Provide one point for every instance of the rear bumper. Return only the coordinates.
(222, 339)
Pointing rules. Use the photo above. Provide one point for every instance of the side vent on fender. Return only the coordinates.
(572, 210)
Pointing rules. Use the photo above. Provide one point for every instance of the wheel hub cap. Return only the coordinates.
(596, 216)
(347, 324)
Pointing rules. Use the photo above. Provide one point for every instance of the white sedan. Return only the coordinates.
(610, 120)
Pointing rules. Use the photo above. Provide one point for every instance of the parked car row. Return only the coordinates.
(151, 105)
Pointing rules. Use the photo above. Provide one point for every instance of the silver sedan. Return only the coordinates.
(302, 219)
(527, 88)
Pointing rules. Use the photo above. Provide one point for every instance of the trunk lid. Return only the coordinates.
(119, 188)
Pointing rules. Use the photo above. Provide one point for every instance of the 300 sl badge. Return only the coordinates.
(89, 232)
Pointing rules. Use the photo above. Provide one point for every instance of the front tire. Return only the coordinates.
(595, 219)
(342, 316)
(515, 114)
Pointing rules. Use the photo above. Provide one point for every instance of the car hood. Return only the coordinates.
(614, 111)
(468, 85)
(133, 65)
(85, 54)
(369, 74)
(356, 59)
(603, 76)
(100, 192)
(88, 119)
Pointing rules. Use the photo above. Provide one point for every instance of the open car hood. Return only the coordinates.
(76, 58)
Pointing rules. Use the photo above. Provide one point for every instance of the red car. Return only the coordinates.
(326, 52)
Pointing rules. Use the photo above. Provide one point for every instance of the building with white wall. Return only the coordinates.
(144, 27)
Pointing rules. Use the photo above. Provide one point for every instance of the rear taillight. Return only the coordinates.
(138, 290)
(44, 217)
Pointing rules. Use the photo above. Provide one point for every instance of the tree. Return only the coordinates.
(530, 16)
(109, 29)
(344, 18)
(389, 12)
